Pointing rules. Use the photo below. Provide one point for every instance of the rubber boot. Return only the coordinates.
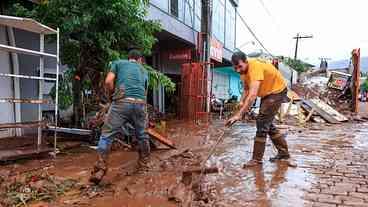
(99, 169)
(258, 152)
(144, 152)
(280, 143)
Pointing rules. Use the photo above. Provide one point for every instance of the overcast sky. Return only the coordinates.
(338, 26)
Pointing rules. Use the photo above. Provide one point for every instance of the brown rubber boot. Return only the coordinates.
(280, 143)
(99, 169)
(144, 151)
(258, 152)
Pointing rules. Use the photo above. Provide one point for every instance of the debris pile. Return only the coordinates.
(321, 100)
(339, 100)
(33, 187)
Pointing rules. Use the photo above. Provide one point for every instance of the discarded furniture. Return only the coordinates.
(339, 80)
(38, 28)
(324, 110)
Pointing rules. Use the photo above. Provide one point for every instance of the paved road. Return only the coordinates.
(332, 169)
(363, 108)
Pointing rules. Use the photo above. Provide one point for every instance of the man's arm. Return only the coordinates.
(110, 83)
(244, 96)
(249, 99)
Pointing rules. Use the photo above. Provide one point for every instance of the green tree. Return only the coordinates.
(365, 85)
(297, 65)
(94, 33)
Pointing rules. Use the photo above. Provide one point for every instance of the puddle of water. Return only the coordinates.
(274, 184)
(361, 141)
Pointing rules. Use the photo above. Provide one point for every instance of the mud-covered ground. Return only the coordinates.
(332, 170)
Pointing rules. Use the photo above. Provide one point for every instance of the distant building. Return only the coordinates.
(345, 65)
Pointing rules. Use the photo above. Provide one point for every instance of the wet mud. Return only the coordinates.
(327, 156)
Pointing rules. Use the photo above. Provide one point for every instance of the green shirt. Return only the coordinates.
(131, 79)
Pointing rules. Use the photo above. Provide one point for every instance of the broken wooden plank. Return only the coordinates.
(15, 154)
(309, 116)
(293, 95)
(328, 109)
(162, 139)
(309, 105)
(30, 124)
(207, 170)
(29, 101)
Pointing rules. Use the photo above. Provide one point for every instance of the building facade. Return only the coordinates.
(182, 23)
(178, 43)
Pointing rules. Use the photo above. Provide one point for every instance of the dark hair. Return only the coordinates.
(237, 56)
(134, 54)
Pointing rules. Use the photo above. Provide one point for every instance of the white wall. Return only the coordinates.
(287, 72)
(220, 85)
(6, 91)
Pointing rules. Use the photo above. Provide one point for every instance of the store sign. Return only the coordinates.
(339, 80)
(216, 50)
(180, 55)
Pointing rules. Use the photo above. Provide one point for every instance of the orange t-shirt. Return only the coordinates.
(271, 79)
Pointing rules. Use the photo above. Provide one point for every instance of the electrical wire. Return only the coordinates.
(266, 9)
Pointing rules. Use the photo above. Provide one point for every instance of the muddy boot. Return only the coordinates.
(99, 169)
(258, 151)
(280, 143)
(144, 151)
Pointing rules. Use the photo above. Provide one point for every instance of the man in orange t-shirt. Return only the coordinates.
(263, 80)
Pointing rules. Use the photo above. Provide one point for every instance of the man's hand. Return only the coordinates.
(233, 120)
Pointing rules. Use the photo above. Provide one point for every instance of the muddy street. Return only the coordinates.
(331, 170)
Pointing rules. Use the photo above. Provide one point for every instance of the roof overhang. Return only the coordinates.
(26, 24)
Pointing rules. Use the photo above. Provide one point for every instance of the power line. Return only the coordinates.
(253, 34)
(273, 19)
(266, 9)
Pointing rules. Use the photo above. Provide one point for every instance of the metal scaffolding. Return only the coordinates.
(38, 28)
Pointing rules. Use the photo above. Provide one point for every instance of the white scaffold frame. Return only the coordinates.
(33, 26)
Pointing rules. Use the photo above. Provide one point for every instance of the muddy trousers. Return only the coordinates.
(120, 113)
(270, 105)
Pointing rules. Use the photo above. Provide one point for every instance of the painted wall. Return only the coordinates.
(221, 85)
(288, 73)
(235, 86)
(226, 83)
(6, 89)
(172, 25)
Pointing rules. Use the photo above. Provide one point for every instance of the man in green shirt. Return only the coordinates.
(127, 81)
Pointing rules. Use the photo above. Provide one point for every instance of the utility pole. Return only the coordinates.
(298, 37)
(207, 34)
